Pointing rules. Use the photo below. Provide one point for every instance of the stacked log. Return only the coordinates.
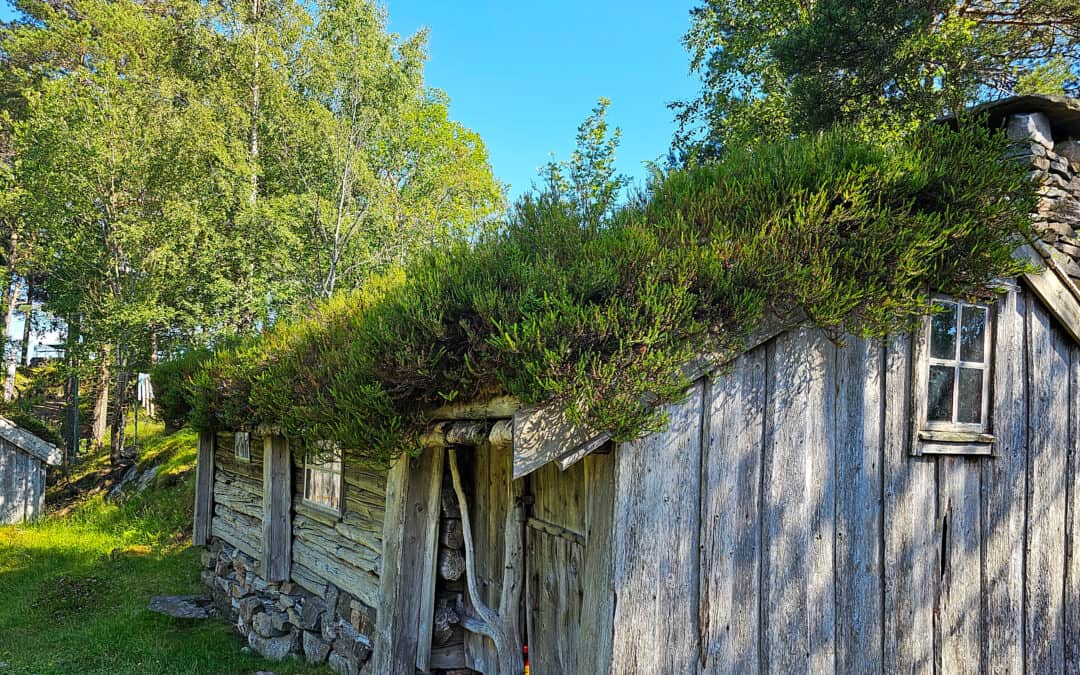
(450, 586)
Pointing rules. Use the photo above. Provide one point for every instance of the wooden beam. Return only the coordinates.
(543, 434)
(277, 509)
(1053, 287)
(204, 490)
(501, 407)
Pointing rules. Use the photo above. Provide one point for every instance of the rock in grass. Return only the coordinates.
(182, 606)
(315, 648)
(263, 624)
(273, 648)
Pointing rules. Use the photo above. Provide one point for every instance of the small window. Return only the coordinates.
(322, 479)
(953, 361)
(242, 446)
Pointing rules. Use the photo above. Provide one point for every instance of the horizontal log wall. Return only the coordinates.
(780, 524)
(238, 490)
(344, 550)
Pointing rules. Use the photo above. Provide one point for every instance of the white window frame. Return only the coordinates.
(940, 437)
(242, 446)
(322, 459)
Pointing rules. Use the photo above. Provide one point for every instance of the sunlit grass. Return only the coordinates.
(74, 588)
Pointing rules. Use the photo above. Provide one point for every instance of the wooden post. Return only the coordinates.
(204, 489)
(407, 582)
(277, 509)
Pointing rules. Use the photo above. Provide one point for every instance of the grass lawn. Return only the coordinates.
(74, 586)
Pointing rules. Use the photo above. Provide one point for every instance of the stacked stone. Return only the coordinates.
(283, 619)
(1056, 167)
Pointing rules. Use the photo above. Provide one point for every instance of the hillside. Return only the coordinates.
(74, 587)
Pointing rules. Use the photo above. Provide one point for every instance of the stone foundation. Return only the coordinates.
(283, 619)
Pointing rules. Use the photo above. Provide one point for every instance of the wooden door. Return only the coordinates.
(554, 569)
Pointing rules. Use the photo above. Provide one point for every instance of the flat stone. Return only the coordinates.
(330, 629)
(332, 595)
(1070, 150)
(280, 621)
(182, 606)
(315, 648)
(207, 558)
(342, 665)
(1033, 127)
(311, 614)
(249, 608)
(273, 648)
(263, 624)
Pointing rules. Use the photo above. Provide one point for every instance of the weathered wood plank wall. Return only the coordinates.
(22, 485)
(781, 525)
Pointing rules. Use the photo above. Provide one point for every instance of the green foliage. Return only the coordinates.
(36, 426)
(588, 180)
(601, 319)
(172, 386)
(775, 67)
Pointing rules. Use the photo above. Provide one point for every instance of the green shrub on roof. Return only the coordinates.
(840, 233)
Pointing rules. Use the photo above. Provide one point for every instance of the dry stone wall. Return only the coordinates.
(1056, 166)
(283, 619)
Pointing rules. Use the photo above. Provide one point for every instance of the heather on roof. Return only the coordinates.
(847, 235)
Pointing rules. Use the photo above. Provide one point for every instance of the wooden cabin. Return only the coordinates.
(23, 458)
(908, 505)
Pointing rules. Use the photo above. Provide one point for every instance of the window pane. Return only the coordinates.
(939, 405)
(969, 406)
(943, 333)
(973, 334)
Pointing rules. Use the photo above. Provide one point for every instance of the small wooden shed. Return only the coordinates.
(908, 505)
(23, 458)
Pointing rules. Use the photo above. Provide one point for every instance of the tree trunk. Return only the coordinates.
(28, 315)
(101, 402)
(10, 281)
(120, 456)
(9, 317)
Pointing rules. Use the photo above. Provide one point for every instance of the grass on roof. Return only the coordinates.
(850, 234)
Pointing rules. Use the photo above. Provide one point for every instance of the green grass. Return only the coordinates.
(74, 587)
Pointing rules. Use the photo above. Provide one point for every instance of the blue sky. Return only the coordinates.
(525, 74)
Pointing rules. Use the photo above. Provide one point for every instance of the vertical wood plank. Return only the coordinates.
(36, 490)
(5, 489)
(1048, 367)
(730, 519)
(859, 536)
(598, 601)
(40, 507)
(277, 509)
(799, 506)
(429, 527)
(554, 583)
(204, 489)
(910, 573)
(1004, 495)
(22, 473)
(408, 550)
(489, 501)
(655, 556)
(390, 579)
(1072, 522)
(960, 625)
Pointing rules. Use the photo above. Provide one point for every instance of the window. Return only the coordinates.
(953, 380)
(242, 446)
(322, 479)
